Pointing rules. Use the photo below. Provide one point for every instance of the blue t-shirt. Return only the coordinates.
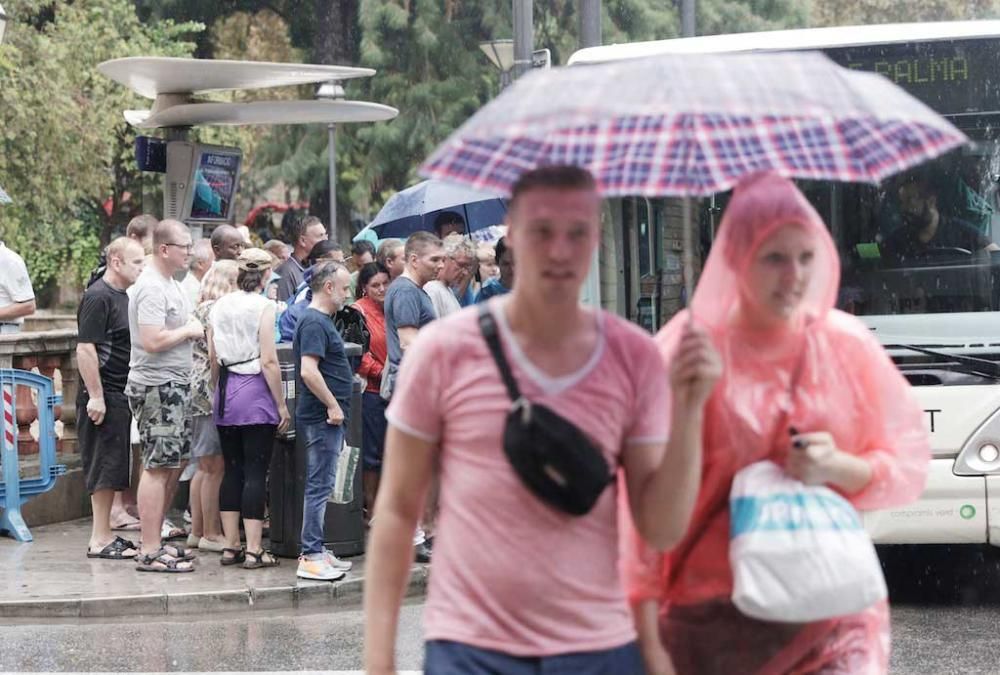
(406, 304)
(491, 289)
(316, 336)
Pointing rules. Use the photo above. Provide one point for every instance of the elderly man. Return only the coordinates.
(227, 242)
(158, 389)
(390, 254)
(520, 586)
(455, 276)
(278, 249)
(103, 417)
(202, 257)
(306, 233)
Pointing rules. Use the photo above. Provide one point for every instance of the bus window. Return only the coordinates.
(922, 242)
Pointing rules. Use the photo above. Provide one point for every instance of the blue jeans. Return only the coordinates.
(443, 657)
(323, 442)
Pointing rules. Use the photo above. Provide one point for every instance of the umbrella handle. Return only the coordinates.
(688, 257)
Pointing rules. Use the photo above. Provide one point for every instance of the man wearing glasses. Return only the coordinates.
(158, 389)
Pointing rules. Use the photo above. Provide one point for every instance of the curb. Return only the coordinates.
(305, 594)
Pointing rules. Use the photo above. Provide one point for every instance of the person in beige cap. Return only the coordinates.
(249, 407)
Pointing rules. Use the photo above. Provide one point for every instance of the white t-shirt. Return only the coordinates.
(442, 298)
(15, 284)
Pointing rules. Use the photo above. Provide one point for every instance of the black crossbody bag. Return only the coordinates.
(556, 461)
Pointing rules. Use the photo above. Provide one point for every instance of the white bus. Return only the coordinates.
(939, 315)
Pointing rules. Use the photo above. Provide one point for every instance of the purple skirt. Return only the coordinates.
(248, 401)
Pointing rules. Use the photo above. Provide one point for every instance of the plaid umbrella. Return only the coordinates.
(695, 124)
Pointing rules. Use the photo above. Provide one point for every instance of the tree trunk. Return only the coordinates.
(336, 43)
(336, 36)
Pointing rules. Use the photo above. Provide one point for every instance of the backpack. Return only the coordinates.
(350, 323)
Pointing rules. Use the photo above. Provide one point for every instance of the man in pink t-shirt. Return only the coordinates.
(518, 586)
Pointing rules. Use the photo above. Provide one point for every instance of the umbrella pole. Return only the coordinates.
(688, 255)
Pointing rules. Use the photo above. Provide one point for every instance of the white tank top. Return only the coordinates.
(235, 321)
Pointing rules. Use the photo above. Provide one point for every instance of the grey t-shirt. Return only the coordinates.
(292, 274)
(406, 304)
(155, 300)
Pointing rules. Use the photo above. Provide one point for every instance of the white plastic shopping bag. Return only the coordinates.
(798, 553)
(343, 482)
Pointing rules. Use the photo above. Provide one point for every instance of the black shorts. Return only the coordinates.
(106, 450)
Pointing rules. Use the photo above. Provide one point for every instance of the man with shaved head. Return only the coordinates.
(103, 417)
(158, 389)
(227, 242)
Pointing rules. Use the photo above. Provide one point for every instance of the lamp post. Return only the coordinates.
(331, 91)
(3, 23)
(501, 54)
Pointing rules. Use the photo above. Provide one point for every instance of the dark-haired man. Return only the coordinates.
(449, 222)
(305, 234)
(519, 587)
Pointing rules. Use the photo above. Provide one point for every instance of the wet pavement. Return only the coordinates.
(324, 641)
(927, 640)
(52, 577)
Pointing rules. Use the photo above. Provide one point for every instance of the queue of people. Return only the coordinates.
(461, 344)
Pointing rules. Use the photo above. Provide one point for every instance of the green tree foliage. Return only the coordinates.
(65, 149)
(865, 12)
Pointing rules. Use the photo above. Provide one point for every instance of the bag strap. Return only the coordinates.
(488, 327)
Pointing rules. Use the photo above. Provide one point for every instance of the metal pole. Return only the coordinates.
(332, 152)
(590, 23)
(524, 38)
(687, 18)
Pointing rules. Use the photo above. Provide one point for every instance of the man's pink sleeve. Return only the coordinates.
(416, 401)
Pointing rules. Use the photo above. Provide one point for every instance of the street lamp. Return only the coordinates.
(331, 91)
(3, 23)
(501, 54)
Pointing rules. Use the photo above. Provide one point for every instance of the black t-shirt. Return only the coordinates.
(904, 244)
(103, 322)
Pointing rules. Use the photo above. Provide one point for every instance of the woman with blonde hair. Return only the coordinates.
(249, 405)
(805, 386)
(206, 530)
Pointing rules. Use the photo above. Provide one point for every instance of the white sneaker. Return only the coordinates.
(318, 570)
(336, 562)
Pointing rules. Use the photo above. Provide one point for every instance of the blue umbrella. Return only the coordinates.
(416, 208)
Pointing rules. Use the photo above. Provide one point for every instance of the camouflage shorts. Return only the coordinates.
(164, 420)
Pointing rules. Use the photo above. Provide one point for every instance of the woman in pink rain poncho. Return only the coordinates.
(793, 365)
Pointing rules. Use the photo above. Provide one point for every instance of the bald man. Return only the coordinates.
(103, 417)
(227, 242)
(158, 389)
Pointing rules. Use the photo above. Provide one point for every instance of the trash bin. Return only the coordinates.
(344, 528)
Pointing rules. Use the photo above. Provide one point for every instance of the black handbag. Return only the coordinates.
(556, 461)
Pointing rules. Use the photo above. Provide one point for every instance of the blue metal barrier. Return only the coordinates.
(15, 491)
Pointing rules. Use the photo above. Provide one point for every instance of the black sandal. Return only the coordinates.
(170, 565)
(116, 550)
(258, 560)
(238, 556)
(179, 552)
